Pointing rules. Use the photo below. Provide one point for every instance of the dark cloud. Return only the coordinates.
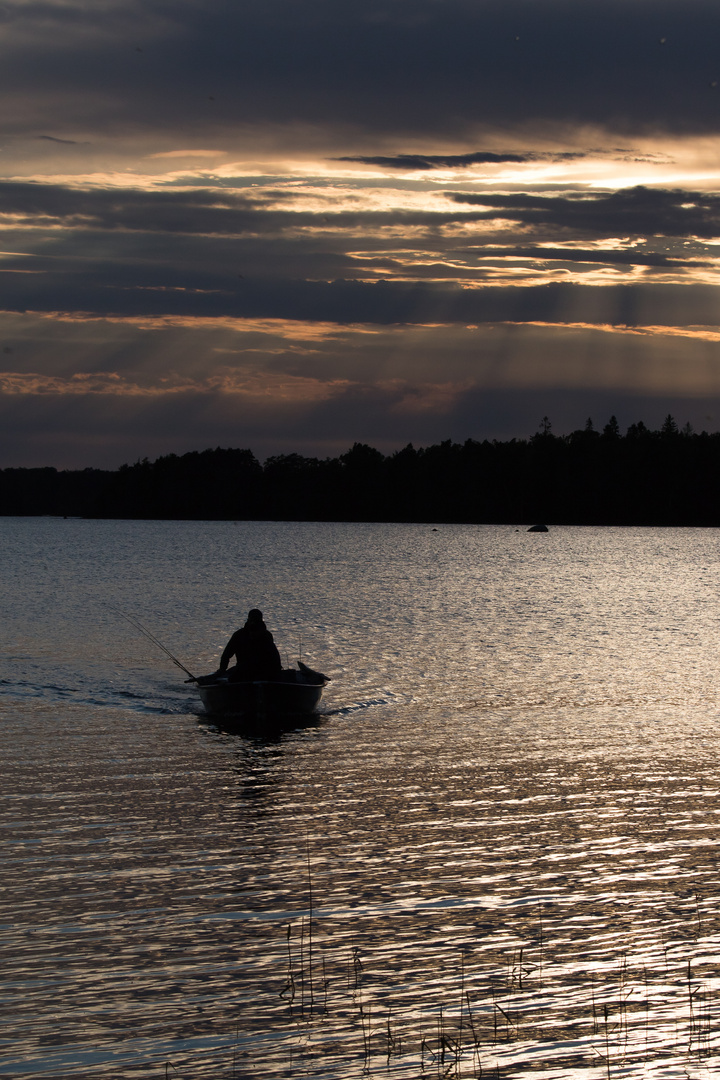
(201, 211)
(444, 161)
(638, 211)
(213, 254)
(634, 212)
(52, 138)
(379, 66)
(428, 162)
(109, 292)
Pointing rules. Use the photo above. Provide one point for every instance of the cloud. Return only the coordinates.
(388, 176)
(64, 142)
(108, 431)
(209, 254)
(638, 211)
(384, 303)
(104, 392)
(213, 211)
(275, 386)
(445, 161)
(357, 72)
(622, 256)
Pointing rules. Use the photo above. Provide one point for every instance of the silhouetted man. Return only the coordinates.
(254, 650)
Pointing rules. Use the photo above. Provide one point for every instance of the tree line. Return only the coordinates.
(589, 477)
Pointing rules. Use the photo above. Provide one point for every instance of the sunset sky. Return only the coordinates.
(291, 225)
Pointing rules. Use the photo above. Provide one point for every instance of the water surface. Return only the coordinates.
(494, 852)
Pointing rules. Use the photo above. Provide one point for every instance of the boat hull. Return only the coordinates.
(223, 698)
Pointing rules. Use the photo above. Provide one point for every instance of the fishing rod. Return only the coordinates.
(143, 630)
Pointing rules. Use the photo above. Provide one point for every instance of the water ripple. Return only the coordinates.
(494, 853)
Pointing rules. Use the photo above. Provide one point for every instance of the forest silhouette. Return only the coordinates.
(589, 477)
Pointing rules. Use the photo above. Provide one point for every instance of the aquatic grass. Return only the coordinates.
(499, 1005)
(624, 1020)
(519, 1013)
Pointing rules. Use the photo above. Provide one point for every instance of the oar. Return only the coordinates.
(143, 630)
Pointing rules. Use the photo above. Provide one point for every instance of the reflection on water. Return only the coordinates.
(266, 730)
(493, 854)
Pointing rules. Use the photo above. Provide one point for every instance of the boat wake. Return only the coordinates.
(110, 698)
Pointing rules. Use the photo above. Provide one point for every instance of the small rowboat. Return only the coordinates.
(295, 693)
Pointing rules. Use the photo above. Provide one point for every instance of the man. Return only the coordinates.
(254, 650)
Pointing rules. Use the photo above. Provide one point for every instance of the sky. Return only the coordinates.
(292, 225)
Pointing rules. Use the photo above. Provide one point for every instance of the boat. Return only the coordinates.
(296, 693)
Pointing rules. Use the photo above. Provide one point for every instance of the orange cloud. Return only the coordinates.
(701, 333)
(424, 397)
(290, 329)
(278, 387)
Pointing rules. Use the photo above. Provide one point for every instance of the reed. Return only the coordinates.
(460, 1040)
(310, 921)
(515, 1008)
(470, 1039)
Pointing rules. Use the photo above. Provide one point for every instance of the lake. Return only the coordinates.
(494, 852)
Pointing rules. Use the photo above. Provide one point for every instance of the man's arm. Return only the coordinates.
(228, 653)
